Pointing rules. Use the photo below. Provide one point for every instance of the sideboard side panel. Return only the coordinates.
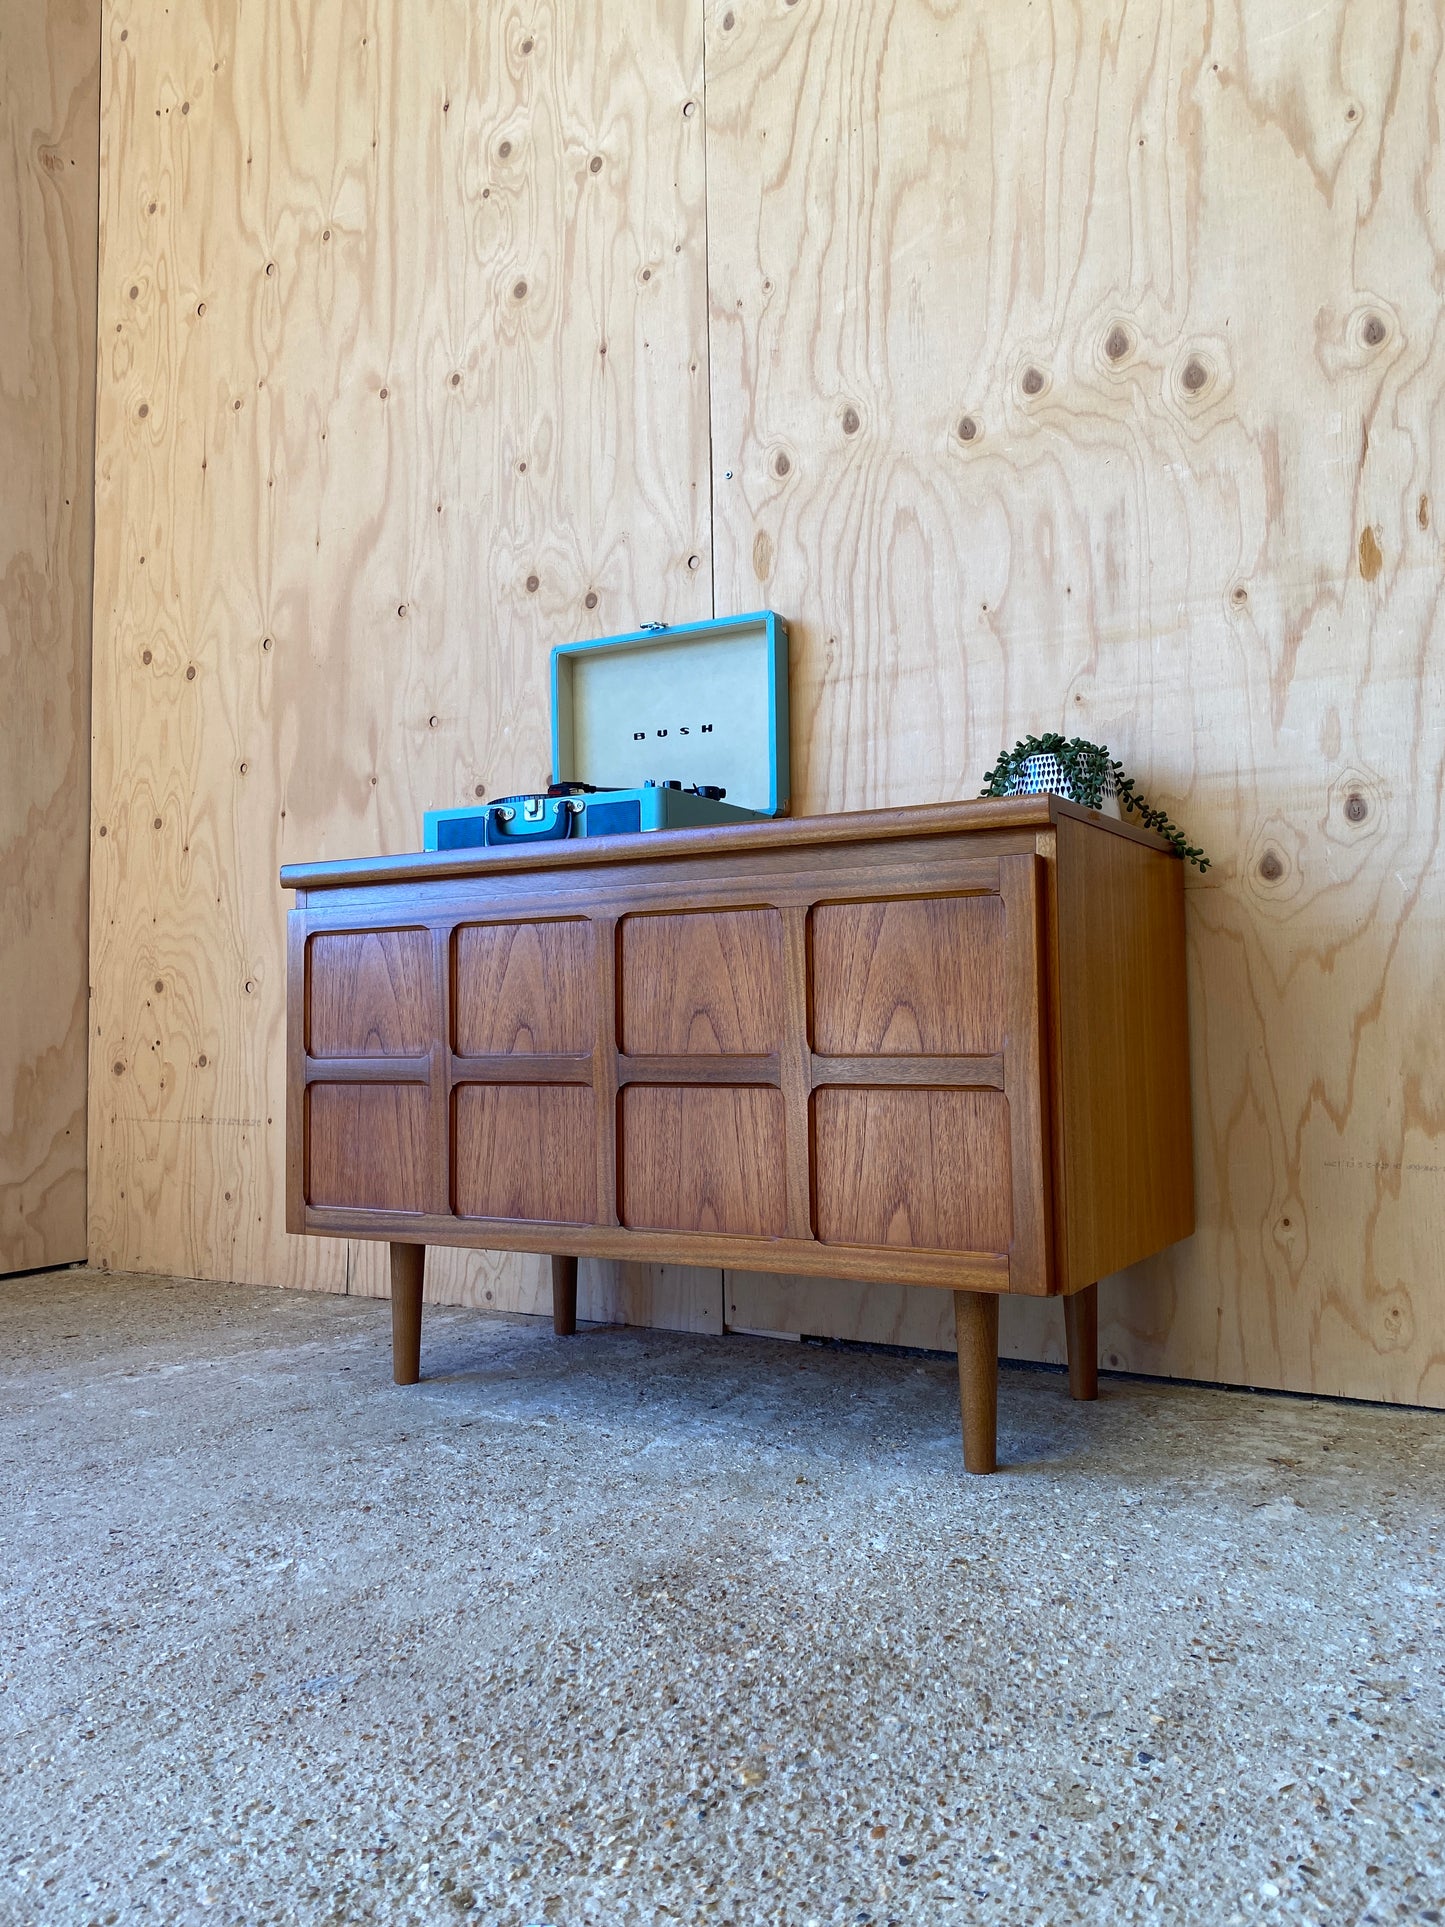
(1022, 885)
(1123, 1051)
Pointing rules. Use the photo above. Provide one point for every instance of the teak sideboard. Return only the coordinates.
(945, 1046)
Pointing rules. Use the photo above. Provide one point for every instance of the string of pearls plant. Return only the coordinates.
(1086, 773)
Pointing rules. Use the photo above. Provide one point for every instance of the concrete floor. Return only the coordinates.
(642, 1628)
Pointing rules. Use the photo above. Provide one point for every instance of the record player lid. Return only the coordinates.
(705, 703)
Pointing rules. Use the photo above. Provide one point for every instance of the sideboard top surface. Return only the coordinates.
(853, 826)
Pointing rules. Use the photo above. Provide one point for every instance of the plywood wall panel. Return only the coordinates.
(49, 129)
(1061, 366)
(1083, 368)
(402, 380)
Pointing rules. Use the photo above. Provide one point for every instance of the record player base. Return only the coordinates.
(943, 1047)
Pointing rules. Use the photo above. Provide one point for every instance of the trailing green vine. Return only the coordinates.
(1087, 768)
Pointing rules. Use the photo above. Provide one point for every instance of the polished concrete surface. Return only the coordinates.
(634, 1627)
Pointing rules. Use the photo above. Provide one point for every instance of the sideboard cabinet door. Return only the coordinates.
(372, 1008)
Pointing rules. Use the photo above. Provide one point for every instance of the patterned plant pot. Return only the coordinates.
(1046, 776)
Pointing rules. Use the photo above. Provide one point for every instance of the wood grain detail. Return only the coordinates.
(369, 993)
(525, 1151)
(704, 1159)
(49, 123)
(369, 1147)
(926, 1170)
(706, 984)
(921, 978)
(524, 987)
(391, 381)
(1012, 421)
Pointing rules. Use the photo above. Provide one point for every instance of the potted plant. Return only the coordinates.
(1085, 773)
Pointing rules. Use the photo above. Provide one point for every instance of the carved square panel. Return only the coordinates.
(925, 1169)
(525, 1151)
(368, 1147)
(525, 986)
(920, 977)
(706, 1158)
(708, 983)
(370, 993)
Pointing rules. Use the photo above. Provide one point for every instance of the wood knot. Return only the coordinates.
(504, 149)
(1117, 343)
(1356, 808)
(1195, 376)
(594, 166)
(519, 291)
(533, 584)
(967, 429)
(781, 465)
(1373, 330)
(1271, 866)
(590, 599)
(1033, 381)
(728, 23)
(850, 421)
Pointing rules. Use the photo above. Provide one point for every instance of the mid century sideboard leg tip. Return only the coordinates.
(975, 1317)
(564, 1296)
(408, 1263)
(1081, 1337)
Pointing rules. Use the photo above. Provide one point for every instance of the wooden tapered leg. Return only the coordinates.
(1081, 1336)
(975, 1317)
(564, 1296)
(408, 1262)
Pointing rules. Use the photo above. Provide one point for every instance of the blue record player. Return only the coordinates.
(664, 729)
